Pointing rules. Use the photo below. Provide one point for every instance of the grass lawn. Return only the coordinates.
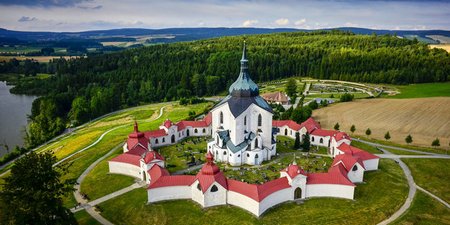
(400, 152)
(99, 182)
(425, 210)
(384, 192)
(83, 218)
(285, 145)
(365, 147)
(423, 90)
(432, 175)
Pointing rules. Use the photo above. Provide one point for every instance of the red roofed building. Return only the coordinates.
(276, 98)
(353, 166)
(369, 160)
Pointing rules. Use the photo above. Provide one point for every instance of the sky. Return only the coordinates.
(80, 15)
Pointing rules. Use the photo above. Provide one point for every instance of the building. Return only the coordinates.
(242, 132)
(276, 98)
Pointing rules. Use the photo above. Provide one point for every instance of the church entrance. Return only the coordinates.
(298, 193)
(172, 139)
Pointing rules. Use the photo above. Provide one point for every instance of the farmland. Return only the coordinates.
(423, 118)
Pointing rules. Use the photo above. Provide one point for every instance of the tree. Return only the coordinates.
(297, 141)
(353, 129)
(313, 105)
(387, 136)
(34, 192)
(347, 97)
(306, 144)
(79, 112)
(408, 139)
(436, 143)
(291, 88)
(336, 126)
(368, 132)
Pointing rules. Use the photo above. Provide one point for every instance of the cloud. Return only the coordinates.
(282, 21)
(90, 7)
(27, 19)
(300, 22)
(43, 3)
(249, 23)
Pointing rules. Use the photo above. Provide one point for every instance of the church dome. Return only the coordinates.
(244, 85)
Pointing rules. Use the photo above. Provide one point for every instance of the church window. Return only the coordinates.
(163, 140)
(221, 117)
(259, 120)
(224, 153)
(256, 156)
(285, 131)
(291, 132)
(256, 143)
(195, 130)
(312, 139)
(214, 188)
(199, 187)
(156, 141)
(239, 155)
(321, 140)
(355, 168)
(204, 131)
(245, 120)
(248, 155)
(217, 152)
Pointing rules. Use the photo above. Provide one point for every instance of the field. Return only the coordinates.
(37, 58)
(423, 90)
(446, 47)
(424, 118)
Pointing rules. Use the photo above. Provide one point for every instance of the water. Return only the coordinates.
(13, 117)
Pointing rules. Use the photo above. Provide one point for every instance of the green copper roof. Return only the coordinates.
(244, 85)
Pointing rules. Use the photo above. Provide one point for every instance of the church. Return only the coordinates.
(242, 132)
(242, 124)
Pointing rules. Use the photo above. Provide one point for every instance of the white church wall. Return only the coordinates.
(357, 175)
(168, 193)
(275, 199)
(244, 202)
(315, 140)
(197, 194)
(215, 198)
(371, 164)
(329, 190)
(125, 169)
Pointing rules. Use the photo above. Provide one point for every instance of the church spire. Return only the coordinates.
(244, 85)
(244, 61)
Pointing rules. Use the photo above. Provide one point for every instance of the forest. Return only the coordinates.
(84, 88)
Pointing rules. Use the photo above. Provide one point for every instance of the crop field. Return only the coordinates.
(37, 58)
(446, 47)
(424, 118)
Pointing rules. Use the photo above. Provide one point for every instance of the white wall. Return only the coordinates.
(169, 193)
(371, 164)
(326, 140)
(329, 190)
(244, 202)
(125, 169)
(215, 198)
(356, 176)
(276, 198)
(197, 195)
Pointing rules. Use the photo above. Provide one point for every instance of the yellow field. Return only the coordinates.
(424, 118)
(446, 47)
(37, 58)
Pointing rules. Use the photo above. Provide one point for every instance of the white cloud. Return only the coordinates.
(300, 22)
(27, 19)
(349, 24)
(249, 23)
(282, 21)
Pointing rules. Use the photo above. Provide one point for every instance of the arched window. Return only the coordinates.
(248, 155)
(204, 130)
(224, 153)
(239, 155)
(245, 120)
(321, 140)
(285, 131)
(312, 139)
(199, 187)
(256, 156)
(195, 130)
(355, 168)
(256, 143)
(221, 117)
(156, 141)
(214, 188)
(259, 120)
(163, 140)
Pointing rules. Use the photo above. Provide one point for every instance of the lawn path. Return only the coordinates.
(84, 204)
(393, 147)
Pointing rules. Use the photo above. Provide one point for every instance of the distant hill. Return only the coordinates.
(187, 34)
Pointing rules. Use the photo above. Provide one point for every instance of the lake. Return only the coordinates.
(13, 117)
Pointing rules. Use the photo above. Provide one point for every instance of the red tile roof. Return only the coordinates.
(363, 155)
(290, 123)
(210, 173)
(152, 155)
(183, 124)
(177, 180)
(127, 158)
(167, 123)
(293, 170)
(155, 133)
(137, 150)
(336, 175)
(310, 124)
(258, 192)
(275, 96)
(136, 137)
(324, 133)
(341, 135)
(156, 172)
(208, 118)
(347, 160)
